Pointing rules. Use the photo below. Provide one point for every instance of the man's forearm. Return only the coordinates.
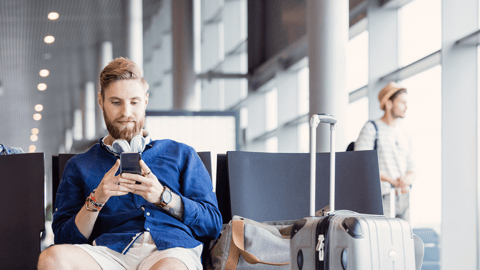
(387, 178)
(175, 208)
(85, 220)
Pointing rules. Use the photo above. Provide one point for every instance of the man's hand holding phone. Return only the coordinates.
(130, 163)
(111, 185)
(135, 177)
(149, 188)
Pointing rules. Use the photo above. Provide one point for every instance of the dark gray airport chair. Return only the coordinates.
(276, 186)
(23, 218)
(58, 165)
(222, 189)
(206, 158)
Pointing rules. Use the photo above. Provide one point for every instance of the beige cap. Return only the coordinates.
(387, 92)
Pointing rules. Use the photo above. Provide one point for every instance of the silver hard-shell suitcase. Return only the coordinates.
(347, 240)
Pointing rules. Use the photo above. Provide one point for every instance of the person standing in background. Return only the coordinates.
(394, 148)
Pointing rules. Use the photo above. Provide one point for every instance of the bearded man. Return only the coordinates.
(106, 220)
(394, 149)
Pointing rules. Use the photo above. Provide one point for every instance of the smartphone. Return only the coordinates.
(130, 163)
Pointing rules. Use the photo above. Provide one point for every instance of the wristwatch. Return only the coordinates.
(165, 197)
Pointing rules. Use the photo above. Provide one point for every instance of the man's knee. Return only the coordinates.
(50, 258)
(65, 257)
(169, 264)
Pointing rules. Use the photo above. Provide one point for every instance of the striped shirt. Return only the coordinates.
(394, 149)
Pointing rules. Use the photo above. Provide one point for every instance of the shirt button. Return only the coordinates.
(148, 229)
(148, 213)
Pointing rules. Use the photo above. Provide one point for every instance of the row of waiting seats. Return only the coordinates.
(260, 186)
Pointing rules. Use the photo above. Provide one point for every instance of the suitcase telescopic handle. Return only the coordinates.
(314, 121)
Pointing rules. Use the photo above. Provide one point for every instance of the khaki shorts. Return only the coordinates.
(142, 255)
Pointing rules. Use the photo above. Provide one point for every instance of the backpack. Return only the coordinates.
(351, 146)
(4, 150)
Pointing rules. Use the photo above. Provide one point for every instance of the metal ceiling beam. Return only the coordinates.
(393, 3)
(416, 67)
(472, 39)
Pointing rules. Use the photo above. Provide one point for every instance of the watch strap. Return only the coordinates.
(162, 203)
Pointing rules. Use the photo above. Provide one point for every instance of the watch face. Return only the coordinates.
(167, 196)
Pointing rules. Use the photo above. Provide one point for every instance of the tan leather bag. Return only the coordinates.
(248, 244)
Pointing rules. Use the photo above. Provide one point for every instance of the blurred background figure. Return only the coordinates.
(394, 148)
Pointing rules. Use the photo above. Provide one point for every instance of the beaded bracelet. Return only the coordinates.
(94, 209)
(96, 205)
(94, 201)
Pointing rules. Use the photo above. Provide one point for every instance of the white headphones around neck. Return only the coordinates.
(136, 145)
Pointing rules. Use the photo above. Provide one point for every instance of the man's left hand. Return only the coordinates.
(406, 180)
(149, 187)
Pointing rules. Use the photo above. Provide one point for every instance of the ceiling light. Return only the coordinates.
(53, 16)
(49, 39)
(39, 107)
(35, 131)
(33, 138)
(32, 148)
(41, 87)
(37, 117)
(44, 73)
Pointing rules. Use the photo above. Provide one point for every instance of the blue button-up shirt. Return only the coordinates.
(123, 218)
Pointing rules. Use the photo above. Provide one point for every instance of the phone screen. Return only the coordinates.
(129, 163)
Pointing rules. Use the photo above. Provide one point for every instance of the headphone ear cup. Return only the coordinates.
(137, 144)
(120, 146)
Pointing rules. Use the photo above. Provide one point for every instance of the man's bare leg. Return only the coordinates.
(169, 264)
(66, 257)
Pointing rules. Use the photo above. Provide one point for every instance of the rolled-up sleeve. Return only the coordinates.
(201, 212)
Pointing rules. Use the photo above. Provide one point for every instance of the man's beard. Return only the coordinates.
(397, 115)
(126, 133)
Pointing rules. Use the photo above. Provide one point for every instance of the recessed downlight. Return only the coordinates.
(34, 138)
(53, 16)
(32, 148)
(41, 86)
(39, 107)
(44, 73)
(37, 117)
(49, 39)
(35, 131)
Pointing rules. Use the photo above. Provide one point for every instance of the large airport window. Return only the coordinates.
(357, 116)
(303, 91)
(357, 62)
(420, 30)
(271, 144)
(271, 110)
(423, 123)
(303, 131)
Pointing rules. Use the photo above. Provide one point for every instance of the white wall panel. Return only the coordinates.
(459, 137)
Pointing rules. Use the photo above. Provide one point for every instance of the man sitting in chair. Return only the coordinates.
(105, 220)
